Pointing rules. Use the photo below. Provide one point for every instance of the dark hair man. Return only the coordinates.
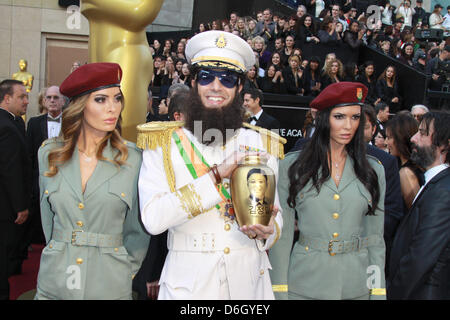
(393, 204)
(382, 112)
(14, 177)
(253, 100)
(420, 264)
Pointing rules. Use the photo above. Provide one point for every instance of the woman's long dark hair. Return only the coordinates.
(316, 155)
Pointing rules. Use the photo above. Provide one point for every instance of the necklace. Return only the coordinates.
(336, 165)
(85, 156)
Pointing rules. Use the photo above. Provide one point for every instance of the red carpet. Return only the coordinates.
(26, 281)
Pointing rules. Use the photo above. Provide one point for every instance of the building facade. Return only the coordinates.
(51, 38)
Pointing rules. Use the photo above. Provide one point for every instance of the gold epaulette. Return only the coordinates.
(272, 141)
(156, 134)
(159, 134)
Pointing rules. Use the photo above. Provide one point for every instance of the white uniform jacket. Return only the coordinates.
(209, 258)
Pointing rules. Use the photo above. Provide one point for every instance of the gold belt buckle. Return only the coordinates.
(330, 247)
(74, 236)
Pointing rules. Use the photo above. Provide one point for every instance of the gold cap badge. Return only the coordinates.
(221, 42)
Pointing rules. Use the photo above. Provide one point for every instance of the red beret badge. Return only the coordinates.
(359, 93)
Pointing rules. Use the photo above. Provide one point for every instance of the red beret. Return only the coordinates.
(91, 77)
(340, 94)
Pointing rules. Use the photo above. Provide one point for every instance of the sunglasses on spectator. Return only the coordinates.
(227, 78)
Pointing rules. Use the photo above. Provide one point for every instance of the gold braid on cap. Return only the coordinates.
(159, 134)
(272, 141)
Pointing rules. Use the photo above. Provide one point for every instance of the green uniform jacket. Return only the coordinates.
(95, 241)
(336, 213)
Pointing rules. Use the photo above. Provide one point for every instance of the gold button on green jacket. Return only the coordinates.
(340, 253)
(95, 241)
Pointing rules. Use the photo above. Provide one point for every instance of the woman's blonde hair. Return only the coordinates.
(72, 120)
(340, 72)
(259, 39)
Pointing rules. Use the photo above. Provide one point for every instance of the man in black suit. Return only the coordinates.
(382, 112)
(420, 256)
(253, 99)
(14, 175)
(39, 129)
(393, 204)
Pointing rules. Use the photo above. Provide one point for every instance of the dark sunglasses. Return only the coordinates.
(227, 78)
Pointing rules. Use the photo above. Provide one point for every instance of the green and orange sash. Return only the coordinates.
(197, 166)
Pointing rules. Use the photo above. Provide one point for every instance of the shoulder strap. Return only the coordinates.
(159, 134)
(273, 143)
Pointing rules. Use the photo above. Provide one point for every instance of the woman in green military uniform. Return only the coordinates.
(338, 193)
(88, 186)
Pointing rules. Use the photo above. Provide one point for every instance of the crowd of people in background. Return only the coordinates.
(279, 41)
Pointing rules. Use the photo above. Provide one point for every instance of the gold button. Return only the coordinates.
(335, 235)
(226, 250)
(336, 197)
(122, 194)
(306, 248)
(116, 249)
(223, 147)
(335, 216)
(46, 191)
(226, 185)
(50, 246)
(79, 261)
(261, 272)
(125, 142)
(227, 227)
(332, 254)
(80, 223)
(81, 206)
(132, 277)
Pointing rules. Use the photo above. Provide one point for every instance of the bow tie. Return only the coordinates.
(54, 120)
(252, 118)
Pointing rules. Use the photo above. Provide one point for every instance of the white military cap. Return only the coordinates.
(220, 49)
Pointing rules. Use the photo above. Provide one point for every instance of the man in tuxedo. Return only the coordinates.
(253, 99)
(14, 176)
(39, 129)
(420, 256)
(393, 204)
(382, 111)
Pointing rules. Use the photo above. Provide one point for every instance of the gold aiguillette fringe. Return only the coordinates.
(272, 141)
(159, 134)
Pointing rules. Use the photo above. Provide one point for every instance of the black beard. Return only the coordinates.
(423, 156)
(226, 118)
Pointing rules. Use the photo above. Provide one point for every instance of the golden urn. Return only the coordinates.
(253, 191)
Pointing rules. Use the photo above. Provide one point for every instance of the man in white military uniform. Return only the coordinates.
(184, 181)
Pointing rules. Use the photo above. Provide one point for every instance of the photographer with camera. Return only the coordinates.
(405, 11)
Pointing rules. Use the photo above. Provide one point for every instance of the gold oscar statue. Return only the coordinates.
(24, 76)
(117, 34)
(253, 191)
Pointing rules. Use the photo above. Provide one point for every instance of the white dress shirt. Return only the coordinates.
(430, 174)
(53, 127)
(253, 122)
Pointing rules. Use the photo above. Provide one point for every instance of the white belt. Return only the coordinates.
(206, 242)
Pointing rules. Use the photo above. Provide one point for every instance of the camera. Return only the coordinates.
(443, 71)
